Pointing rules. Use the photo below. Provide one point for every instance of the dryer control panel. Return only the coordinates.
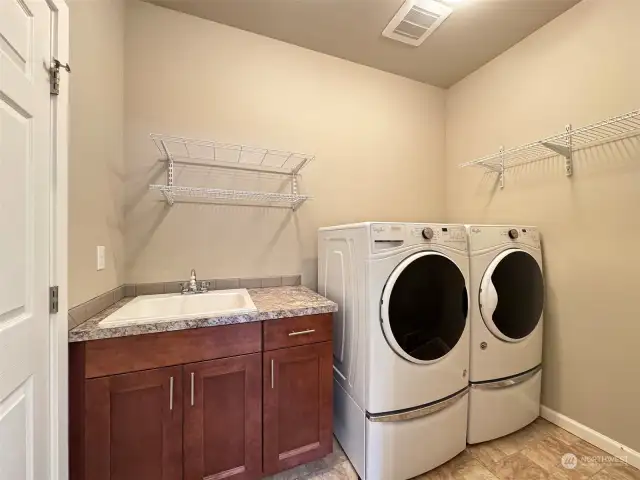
(486, 236)
(390, 235)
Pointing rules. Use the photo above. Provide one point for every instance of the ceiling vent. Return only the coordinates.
(416, 20)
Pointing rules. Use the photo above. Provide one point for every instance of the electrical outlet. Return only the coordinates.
(100, 257)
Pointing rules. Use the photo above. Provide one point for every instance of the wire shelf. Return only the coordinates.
(180, 150)
(564, 144)
(230, 197)
(223, 155)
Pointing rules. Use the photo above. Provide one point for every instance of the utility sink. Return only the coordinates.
(175, 306)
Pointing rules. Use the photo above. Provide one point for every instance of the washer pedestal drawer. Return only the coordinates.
(399, 450)
(498, 411)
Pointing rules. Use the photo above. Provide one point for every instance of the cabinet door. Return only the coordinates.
(133, 426)
(223, 418)
(297, 405)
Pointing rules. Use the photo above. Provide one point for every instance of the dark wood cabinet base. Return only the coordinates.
(297, 405)
(133, 426)
(231, 402)
(223, 419)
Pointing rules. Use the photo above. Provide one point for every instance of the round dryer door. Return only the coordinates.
(512, 295)
(424, 307)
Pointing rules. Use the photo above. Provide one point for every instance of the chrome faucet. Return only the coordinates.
(193, 282)
(191, 287)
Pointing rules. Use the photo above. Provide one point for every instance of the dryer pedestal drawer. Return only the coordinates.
(513, 407)
(398, 450)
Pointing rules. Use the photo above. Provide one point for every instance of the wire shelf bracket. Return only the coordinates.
(564, 150)
(186, 151)
(564, 144)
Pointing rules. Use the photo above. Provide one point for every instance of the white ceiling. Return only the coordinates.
(476, 32)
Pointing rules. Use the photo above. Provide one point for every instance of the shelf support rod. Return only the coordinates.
(294, 190)
(501, 173)
(568, 162)
(168, 194)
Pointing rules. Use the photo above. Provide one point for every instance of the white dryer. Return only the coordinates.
(401, 343)
(507, 297)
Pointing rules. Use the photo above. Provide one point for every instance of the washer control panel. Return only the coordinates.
(393, 235)
(388, 232)
(440, 234)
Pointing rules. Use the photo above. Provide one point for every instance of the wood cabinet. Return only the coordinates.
(236, 401)
(133, 426)
(223, 418)
(297, 405)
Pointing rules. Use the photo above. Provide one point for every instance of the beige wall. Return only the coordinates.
(378, 141)
(581, 68)
(96, 187)
(379, 145)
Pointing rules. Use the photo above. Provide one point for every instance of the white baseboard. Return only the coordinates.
(595, 438)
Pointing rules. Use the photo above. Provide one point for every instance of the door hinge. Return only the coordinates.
(54, 75)
(53, 299)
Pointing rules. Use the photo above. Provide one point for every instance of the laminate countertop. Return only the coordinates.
(271, 303)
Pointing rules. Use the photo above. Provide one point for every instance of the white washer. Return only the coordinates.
(507, 297)
(401, 343)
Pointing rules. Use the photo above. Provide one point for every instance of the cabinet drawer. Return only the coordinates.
(290, 332)
(144, 352)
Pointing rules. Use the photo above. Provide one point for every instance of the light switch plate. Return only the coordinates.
(100, 257)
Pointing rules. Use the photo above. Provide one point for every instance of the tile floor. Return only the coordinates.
(533, 453)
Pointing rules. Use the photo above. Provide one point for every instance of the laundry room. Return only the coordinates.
(310, 239)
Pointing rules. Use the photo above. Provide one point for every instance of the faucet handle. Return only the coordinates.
(204, 286)
(184, 287)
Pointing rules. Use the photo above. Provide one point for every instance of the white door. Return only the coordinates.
(25, 157)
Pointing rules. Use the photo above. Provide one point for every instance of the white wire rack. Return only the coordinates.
(214, 154)
(230, 197)
(186, 151)
(564, 144)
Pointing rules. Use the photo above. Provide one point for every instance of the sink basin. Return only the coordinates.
(174, 306)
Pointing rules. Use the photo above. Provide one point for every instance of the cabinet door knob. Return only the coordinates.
(302, 332)
(171, 394)
(192, 388)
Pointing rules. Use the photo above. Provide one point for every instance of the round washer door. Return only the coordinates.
(424, 307)
(512, 295)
